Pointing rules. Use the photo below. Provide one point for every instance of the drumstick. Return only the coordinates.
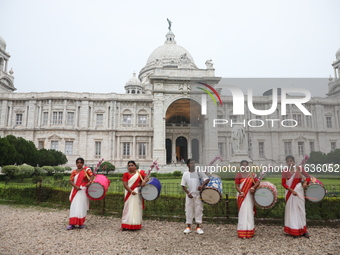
(308, 197)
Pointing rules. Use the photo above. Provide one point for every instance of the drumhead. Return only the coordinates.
(95, 190)
(210, 196)
(149, 192)
(315, 192)
(264, 197)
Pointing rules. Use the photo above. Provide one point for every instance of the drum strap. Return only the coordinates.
(86, 174)
(140, 176)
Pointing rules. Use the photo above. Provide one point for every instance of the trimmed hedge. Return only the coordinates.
(169, 207)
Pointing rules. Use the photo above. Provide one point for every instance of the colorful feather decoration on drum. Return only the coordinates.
(154, 164)
(97, 166)
(304, 160)
(214, 160)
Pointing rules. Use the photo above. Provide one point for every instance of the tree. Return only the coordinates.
(45, 158)
(333, 157)
(59, 157)
(317, 157)
(7, 152)
(26, 150)
(107, 167)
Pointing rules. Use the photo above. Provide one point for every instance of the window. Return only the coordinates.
(126, 149)
(329, 122)
(233, 119)
(41, 145)
(127, 119)
(98, 147)
(311, 146)
(333, 146)
(99, 121)
(142, 120)
(309, 121)
(69, 147)
(301, 148)
(19, 119)
(54, 145)
(70, 118)
(288, 148)
(259, 122)
(45, 118)
(298, 119)
(261, 149)
(220, 148)
(57, 118)
(142, 150)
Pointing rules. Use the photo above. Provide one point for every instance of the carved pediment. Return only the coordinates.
(301, 138)
(54, 137)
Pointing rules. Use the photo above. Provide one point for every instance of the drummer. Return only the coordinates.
(246, 184)
(80, 179)
(193, 203)
(294, 180)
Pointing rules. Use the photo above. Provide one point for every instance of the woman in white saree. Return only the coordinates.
(133, 202)
(246, 184)
(80, 179)
(294, 180)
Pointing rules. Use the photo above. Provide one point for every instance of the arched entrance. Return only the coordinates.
(183, 120)
(195, 150)
(181, 148)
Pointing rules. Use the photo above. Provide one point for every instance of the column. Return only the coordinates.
(39, 114)
(173, 147)
(189, 147)
(134, 147)
(49, 113)
(159, 129)
(64, 113)
(149, 149)
(118, 147)
(335, 74)
(3, 114)
(9, 120)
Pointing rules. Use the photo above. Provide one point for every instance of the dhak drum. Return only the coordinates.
(212, 192)
(315, 192)
(97, 190)
(265, 195)
(152, 189)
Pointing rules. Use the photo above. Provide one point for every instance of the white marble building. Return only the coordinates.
(159, 117)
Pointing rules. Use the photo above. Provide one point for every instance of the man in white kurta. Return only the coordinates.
(191, 184)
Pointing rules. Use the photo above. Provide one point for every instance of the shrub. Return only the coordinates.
(67, 168)
(58, 176)
(153, 174)
(27, 170)
(38, 171)
(49, 170)
(59, 169)
(10, 172)
(177, 173)
(37, 179)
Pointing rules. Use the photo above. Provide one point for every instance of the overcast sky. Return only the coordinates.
(94, 46)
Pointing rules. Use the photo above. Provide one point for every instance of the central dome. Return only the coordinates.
(169, 51)
(169, 56)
